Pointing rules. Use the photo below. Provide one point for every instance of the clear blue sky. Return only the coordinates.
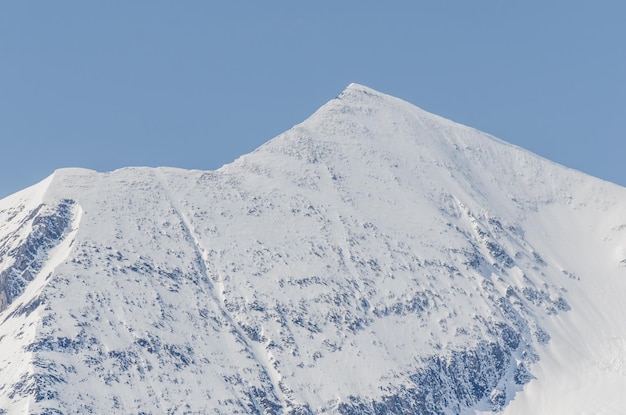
(195, 84)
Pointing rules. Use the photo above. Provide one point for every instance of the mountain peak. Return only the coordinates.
(356, 89)
(373, 259)
(364, 130)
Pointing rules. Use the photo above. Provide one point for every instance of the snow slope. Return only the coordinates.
(375, 259)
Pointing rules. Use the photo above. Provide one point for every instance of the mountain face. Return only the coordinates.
(375, 259)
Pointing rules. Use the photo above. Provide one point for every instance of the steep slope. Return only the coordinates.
(375, 259)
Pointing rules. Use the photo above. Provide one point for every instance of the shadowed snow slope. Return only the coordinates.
(375, 259)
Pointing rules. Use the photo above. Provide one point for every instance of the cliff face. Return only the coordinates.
(375, 259)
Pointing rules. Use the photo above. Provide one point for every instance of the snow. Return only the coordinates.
(334, 265)
(582, 369)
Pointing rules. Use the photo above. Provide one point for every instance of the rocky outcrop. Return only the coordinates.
(44, 228)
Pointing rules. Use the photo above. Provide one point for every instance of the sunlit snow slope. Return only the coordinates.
(375, 259)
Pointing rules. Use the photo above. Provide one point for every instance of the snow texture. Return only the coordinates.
(375, 259)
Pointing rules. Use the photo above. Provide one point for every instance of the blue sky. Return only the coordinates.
(195, 84)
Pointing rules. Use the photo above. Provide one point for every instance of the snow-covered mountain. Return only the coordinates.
(375, 259)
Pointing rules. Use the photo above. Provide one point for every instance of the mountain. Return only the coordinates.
(375, 259)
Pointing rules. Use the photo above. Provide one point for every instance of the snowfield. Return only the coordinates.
(374, 259)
